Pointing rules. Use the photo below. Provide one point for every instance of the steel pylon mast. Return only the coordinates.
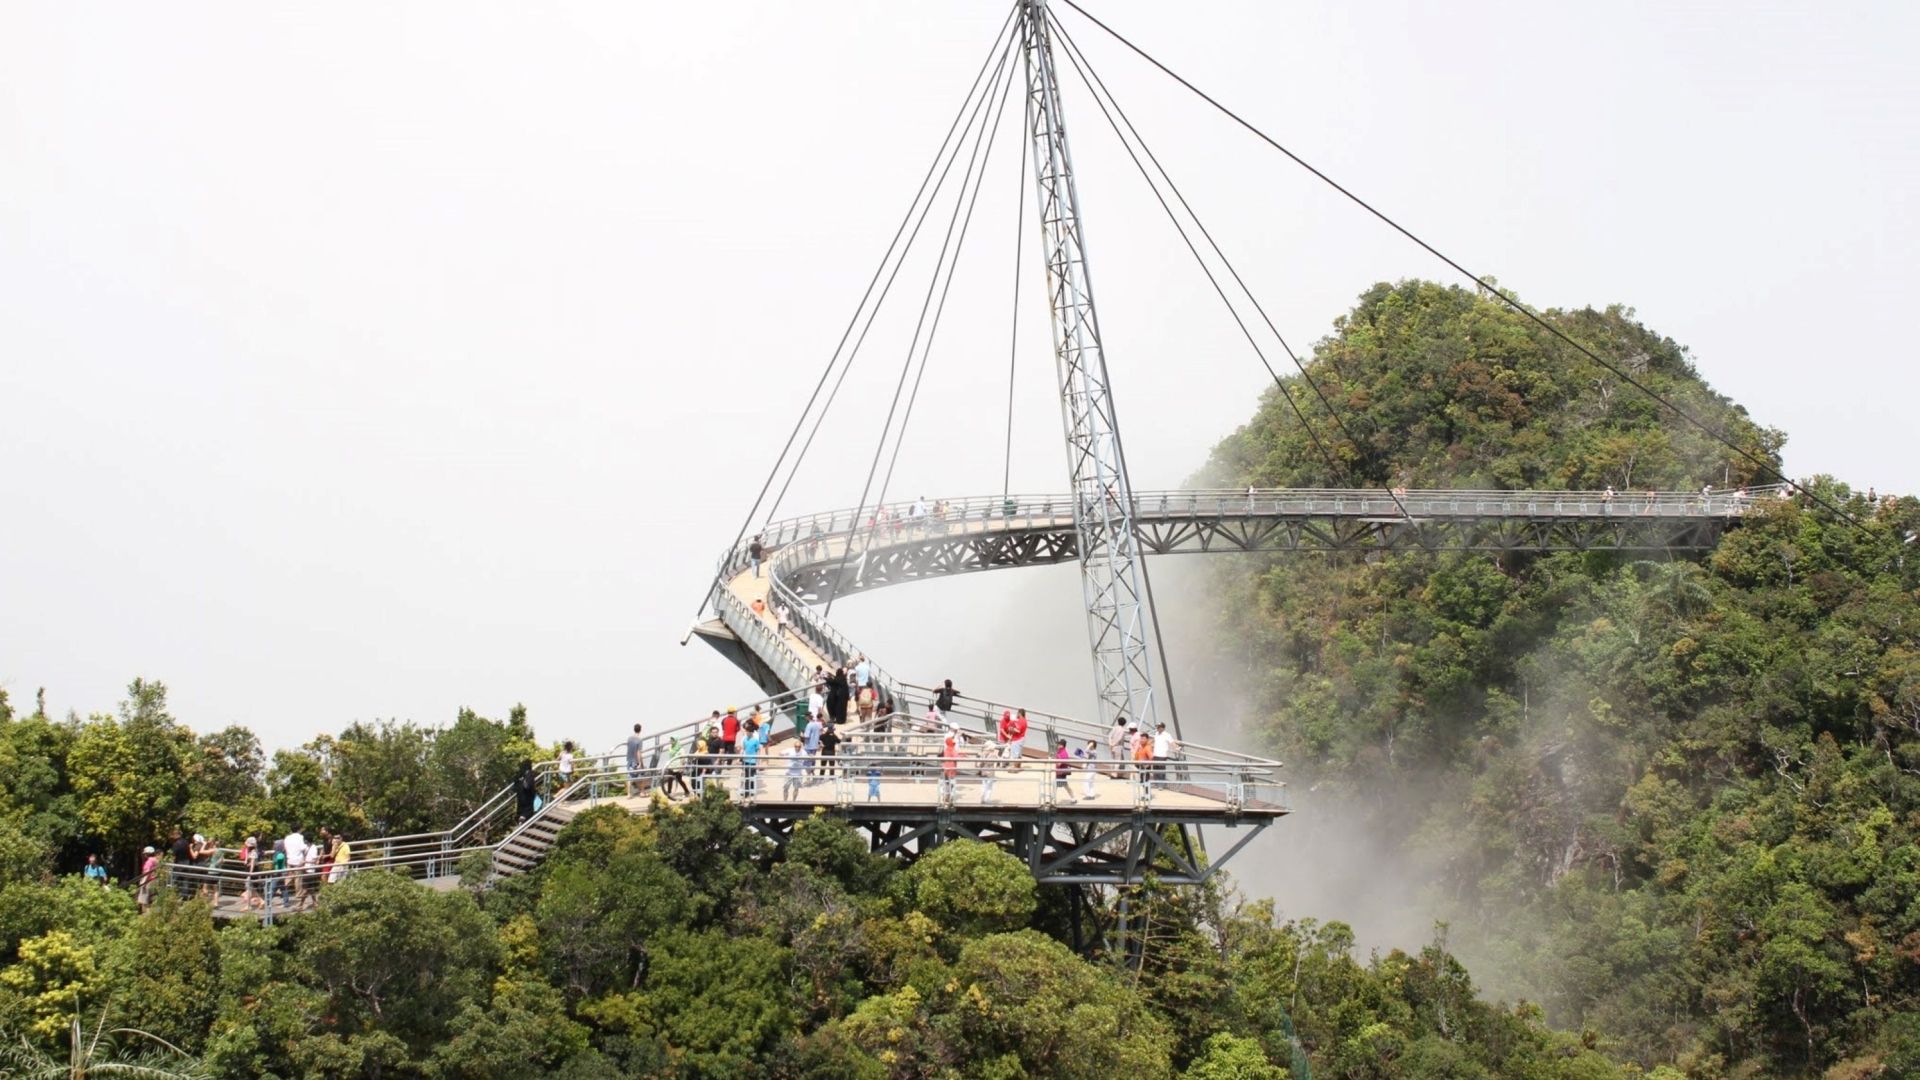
(1103, 497)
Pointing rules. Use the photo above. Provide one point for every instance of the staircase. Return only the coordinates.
(529, 844)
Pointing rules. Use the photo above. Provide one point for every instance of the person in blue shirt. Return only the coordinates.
(756, 741)
(96, 873)
(811, 740)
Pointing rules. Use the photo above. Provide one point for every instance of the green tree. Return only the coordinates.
(970, 888)
(394, 958)
(129, 775)
(1230, 1057)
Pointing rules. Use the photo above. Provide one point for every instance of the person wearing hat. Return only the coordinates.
(149, 869)
(249, 858)
(1163, 745)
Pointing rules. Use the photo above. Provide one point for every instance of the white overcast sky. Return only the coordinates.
(367, 361)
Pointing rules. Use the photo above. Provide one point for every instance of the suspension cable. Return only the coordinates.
(900, 386)
(1013, 346)
(925, 211)
(1219, 291)
(1624, 376)
(960, 244)
(833, 360)
(1091, 79)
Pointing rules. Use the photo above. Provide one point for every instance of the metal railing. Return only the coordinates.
(950, 515)
(1052, 727)
(891, 763)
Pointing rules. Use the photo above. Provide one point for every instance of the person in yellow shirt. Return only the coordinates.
(342, 853)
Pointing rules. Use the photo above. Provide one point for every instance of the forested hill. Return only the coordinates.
(1439, 387)
(1675, 801)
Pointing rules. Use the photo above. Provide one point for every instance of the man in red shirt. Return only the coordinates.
(1013, 731)
(730, 732)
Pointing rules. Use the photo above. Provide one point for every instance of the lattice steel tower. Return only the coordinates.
(1110, 575)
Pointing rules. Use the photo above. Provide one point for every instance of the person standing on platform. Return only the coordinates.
(949, 767)
(796, 772)
(756, 551)
(838, 694)
(143, 885)
(730, 732)
(830, 750)
(810, 741)
(989, 769)
(295, 846)
(1091, 752)
(276, 882)
(1117, 745)
(1016, 732)
(635, 746)
(750, 762)
(1162, 750)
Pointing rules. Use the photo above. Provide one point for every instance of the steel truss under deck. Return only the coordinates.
(1059, 847)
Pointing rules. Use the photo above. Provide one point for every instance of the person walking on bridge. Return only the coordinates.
(1063, 772)
(525, 786)
(675, 771)
(943, 701)
(635, 746)
(730, 732)
(755, 551)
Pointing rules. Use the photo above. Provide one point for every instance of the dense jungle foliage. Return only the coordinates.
(1672, 800)
(678, 944)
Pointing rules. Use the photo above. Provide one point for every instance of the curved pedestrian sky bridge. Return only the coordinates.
(911, 777)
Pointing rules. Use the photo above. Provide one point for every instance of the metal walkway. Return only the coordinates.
(1100, 821)
(812, 559)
